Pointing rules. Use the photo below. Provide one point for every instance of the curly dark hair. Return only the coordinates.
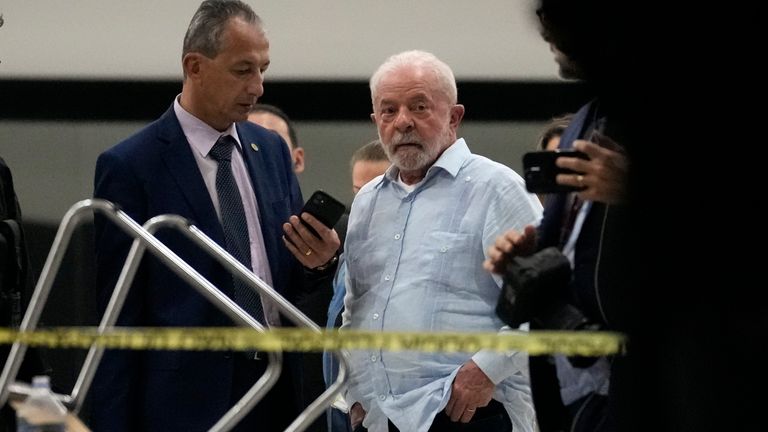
(588, 32)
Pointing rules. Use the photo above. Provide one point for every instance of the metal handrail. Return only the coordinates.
(231, 417)
(204, 287)
(144, 239)
(71, 220)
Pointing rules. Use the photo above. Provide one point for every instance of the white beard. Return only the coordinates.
(414, 158)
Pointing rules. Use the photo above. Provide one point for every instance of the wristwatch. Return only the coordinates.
(327, 265)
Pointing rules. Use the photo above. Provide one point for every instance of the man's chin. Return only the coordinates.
(409, 162)
(407, 153)
(569, 72)
(240, 115)
(408, 147)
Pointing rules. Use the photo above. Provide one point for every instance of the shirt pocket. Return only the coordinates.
(456, 258)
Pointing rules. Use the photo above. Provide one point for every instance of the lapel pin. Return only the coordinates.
(254, 147)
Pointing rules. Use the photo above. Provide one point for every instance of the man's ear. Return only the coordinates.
(298, 160)
(457, 113)
(192, 63)
(373, 117)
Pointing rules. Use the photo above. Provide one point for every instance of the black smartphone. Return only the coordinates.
(325, 208)
(540, 172)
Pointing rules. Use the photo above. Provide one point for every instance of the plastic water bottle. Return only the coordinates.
(41, 411)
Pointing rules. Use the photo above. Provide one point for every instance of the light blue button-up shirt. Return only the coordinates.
(415, 264)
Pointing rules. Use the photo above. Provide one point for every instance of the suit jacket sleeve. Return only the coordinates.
(115, 183)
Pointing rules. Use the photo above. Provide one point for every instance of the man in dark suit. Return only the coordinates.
(171, 166)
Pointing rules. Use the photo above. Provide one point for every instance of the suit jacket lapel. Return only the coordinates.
(181, 163)
(257, 170)
(261, 181)
(549, 229)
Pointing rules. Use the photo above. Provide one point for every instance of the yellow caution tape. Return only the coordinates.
(291, 339)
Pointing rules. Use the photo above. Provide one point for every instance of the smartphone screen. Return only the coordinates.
(325, 208)
(540, 171)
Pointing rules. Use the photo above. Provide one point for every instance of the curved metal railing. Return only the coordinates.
(144, 239)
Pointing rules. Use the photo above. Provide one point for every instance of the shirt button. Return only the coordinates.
(373, 358)
(468, 178)
(382, 397)
(375, 316)
(386, 277)
(397, 236)
(444, 249)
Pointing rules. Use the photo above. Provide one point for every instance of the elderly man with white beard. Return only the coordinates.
(415, 247)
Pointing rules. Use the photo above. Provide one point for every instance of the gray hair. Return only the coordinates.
(208, 23)
(423, 60)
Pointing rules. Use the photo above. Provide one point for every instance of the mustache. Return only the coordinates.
(408, 137)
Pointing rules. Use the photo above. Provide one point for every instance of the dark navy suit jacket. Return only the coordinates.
(596, 289)
(154, 172)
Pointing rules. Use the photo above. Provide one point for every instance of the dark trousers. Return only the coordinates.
(491, 418)
(590, 414)
(338, 421)
(280, 405)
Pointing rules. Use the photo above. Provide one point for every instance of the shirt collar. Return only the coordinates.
(200, 135)
(453, 158)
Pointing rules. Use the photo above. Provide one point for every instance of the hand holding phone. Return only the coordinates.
(540, 171)
(324, 208)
